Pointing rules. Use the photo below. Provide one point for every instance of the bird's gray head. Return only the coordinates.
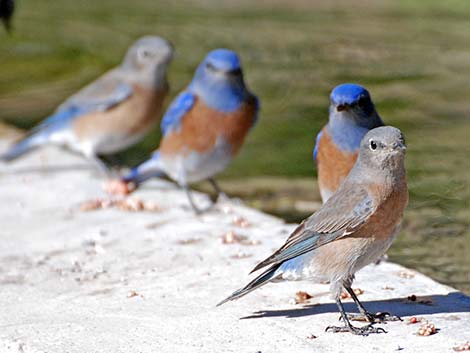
(383, 148)
(148, 59)
(353, 102)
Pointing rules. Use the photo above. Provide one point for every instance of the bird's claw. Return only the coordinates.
(361, 331)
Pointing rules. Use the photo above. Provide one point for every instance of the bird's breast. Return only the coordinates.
(202, 127)
(333, 164)
(132, 117)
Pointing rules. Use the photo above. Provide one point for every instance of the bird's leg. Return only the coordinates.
(102, 167)
(367, 316)
(196, 209)
(217, 189)
(362, 331)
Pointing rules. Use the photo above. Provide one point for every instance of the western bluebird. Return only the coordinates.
(351, 230)
(204, 127)
(113, 112)
(7, 7)
(352, 114)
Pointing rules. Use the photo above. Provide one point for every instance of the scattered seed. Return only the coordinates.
(241, 255)
(189, 241)
(406, 274)
(346, 295)
(133, 293)
(427, 329)
(462, 347)
(240, 222)
(420, 300)
(311, 337)
(302, 297)
(119, 187)
(233, 238)
(129, 204)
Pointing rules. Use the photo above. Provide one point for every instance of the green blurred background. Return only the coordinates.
(413, 56)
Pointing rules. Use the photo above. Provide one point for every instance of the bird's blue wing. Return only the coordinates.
(178, 108)
(98, 97)
(257, 107)
(80, 105)
(340, 216)
(317, 141)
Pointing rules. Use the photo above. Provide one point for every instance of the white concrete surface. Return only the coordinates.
(117, 281)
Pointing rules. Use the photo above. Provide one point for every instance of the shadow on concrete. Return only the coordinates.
(454, 302)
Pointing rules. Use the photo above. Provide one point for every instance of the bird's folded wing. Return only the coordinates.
(340, 216)
(175, 113)
(101, 95)
(109, 90)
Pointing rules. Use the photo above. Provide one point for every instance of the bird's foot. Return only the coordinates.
(380, 317)
(119, 187)
(361, 331)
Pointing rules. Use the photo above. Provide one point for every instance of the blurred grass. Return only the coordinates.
(414, 57)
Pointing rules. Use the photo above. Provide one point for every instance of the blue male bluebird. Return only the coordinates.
(112, 113)
(351, 230)
(205, 125)
(352, 115)
(7, 7)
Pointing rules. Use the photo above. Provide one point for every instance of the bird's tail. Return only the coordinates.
(23, 146)
(148, 169)
(261, 280)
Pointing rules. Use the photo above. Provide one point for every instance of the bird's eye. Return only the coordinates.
(146, 54)
(373, 145)
(210, 67)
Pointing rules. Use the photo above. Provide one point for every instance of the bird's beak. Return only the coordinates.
(400, 146)
(235, 72)
(342, 107)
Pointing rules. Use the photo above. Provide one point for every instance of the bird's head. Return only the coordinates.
(150, 55)
(352, 101)
(222, 65)
(383, 148)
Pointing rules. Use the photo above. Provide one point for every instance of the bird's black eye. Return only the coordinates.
(210, 67)
(146, 53)
(373, 145)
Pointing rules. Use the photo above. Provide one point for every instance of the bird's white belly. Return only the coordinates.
(193, 167)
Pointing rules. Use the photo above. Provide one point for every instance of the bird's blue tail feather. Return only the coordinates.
(148, 169)
(259, 281)
(23, 146)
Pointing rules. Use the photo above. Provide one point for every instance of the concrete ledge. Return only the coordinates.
(110, 280)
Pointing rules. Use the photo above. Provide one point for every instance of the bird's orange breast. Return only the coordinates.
(202, 126)
(333, 164)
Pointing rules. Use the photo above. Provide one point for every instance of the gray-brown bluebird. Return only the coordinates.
(113, 112)
(352, 115)
(351, 230)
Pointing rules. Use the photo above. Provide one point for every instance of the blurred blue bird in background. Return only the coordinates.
(204, 127)
(7, 7)
(112, 113)
(352, 229)
(352, 115)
